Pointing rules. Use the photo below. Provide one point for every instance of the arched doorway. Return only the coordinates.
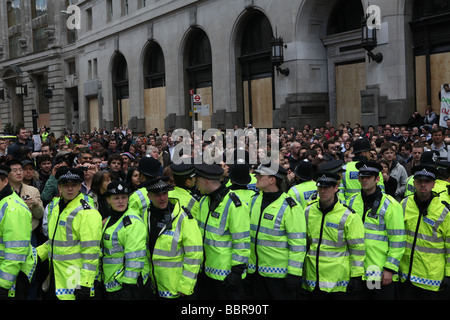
(12, 78)
(154, 87)
(256, 70)
(198, 62)
(348, 61)
(121, 105)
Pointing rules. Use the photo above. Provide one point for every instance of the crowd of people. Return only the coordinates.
(349, 213)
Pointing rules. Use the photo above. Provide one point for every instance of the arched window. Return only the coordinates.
(199, 61)
(154, 67)
(256, 70)
(345, 16)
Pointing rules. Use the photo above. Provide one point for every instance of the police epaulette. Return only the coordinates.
(188, 212)
(85, 205)
(235, 198)
(126, 221)
(353, 211)
(291, 202)
(447, 205)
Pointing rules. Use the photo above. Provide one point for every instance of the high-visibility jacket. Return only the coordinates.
(336, 248)
(44, 136)
(384, 234)
(226, 235)
(252, 184)
(16, 252)
(302, 192)
(177, 255)
(186, 199)
(278, 237)
(124, 251)
(350, 184)
(73, 247)
(245, 195)
(439, 186)
(139, 201)
(426, 260)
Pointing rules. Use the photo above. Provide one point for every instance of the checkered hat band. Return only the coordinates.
(324, 178)
(159, 185)
(369, 169)
(425, 173)
(69, 176)
(183, 173)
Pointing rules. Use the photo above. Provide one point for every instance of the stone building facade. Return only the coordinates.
(140, 63)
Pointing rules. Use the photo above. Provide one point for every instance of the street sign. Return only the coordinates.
(197, 99)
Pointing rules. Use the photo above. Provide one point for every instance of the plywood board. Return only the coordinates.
(93, 113)
(154, 108)
(350, 80)
(262, 103)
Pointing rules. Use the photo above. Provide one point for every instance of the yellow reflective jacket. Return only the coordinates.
(302, 192)
(427, 256)
(124, 251)
(178, 252)
(139, 201)
(186, 199)
(16, 252)
(384, 234)
(278, 237)
(73, 247)
(226, 235)
(336, 248)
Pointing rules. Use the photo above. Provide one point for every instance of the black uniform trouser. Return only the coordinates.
(259, 287)
(211, 289)
(318, 294)
(408, 291)
(22, 287)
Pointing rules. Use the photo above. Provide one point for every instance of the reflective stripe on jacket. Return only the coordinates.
(350, 184)
(226, 234)
(426, 260)
(384, 235)
(139, 201)
(278, 237)
(177, 255)
(74, 236)
(16, 252)
(302, 192)
(336, 248)
(186, 199)
(124, 253)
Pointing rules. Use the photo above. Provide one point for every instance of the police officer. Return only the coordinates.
(224, 223)
(278, 239)
(123, 247)
(17, 257)
(239, 175)
(384, 230)
(425, 265)
(350, 184)
(184, 178)
(441, 184)
(334, 263)
(305, 186)
(174, 243)
(334, 167)
(73, 247)
(148, 168)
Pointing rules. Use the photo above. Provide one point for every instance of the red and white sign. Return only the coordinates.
(197, 99)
